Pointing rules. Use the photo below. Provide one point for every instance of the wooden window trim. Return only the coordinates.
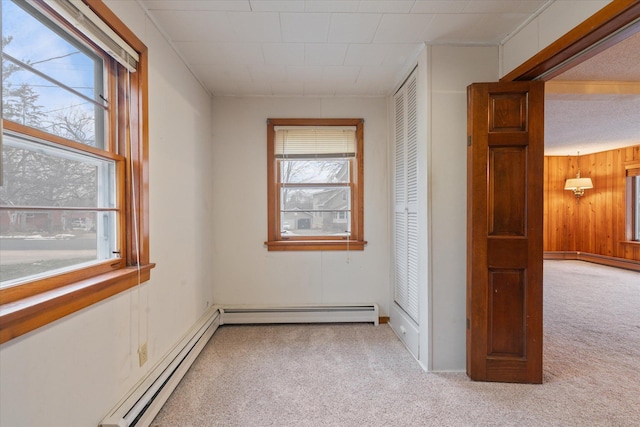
(24, 308)
(602, 30)
(315, 243)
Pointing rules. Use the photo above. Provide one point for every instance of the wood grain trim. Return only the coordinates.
(19, 317)
(315, 245)
(100, 9)
(560, 255)
(600, 26)
(591, 87)
(17, 128)
(37, 304)
(274, 240)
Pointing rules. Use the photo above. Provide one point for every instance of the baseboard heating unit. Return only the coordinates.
(143, 403)
(234, 315)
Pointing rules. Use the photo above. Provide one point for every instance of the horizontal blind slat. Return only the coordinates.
(322, 142)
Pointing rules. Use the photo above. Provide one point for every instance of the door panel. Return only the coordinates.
(505, 157)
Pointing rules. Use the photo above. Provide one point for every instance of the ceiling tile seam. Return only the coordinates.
(532, 17)
(373, 36)
(165, 36)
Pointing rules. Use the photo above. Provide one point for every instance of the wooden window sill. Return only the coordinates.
(630, 242)
(315, 245)
(22, 316)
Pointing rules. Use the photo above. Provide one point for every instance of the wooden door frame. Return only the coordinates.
(610, 25)
(613, 23)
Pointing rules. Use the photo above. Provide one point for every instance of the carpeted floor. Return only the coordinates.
(361, 375)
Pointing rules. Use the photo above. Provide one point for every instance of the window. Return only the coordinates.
(73, 210)
(315, 192)
(633, 201)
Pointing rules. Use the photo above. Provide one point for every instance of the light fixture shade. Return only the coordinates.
(578, 183)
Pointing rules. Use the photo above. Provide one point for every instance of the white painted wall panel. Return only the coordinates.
(451, 70)
(71, 372)
(554, 22)
(244, 271)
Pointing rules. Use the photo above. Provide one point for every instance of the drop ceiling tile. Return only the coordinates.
(324, 54)
(221, 5)
(283, 53)
(268, 73)
(451, 28)
(220, 72)
(494, 28)
(316, 89)
(340, 75)
(365, 89)
(383, 76)
(196, 26)
(304, 73)
(222, 80)
(365, 54)
(287, 88)
(472, 28)
(332, 6)
(385, 6)
(305, 28)
(403, 28)
(277, 6)
(379, 54)
(353, 27)
(256, 26)
(503, 6)
(231, 54)
(439, 6)
(258, 89)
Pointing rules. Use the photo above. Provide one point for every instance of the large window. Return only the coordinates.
(72, 207)
(633, 202)
(315, 171)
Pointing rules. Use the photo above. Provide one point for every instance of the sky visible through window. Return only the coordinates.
(25, 93)
(51, 82)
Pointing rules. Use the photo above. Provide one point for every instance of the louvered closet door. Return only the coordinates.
(406, 199)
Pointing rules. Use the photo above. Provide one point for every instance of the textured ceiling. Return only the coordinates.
(593, 119)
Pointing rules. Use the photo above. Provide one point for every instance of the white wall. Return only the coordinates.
(554, 22)
(244, 272)
(450, 70)
(71, 372)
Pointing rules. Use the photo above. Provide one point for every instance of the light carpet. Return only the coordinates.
(361, 375)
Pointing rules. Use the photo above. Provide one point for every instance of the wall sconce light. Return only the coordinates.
(577, 184)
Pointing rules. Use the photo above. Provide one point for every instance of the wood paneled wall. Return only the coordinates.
(597, 223)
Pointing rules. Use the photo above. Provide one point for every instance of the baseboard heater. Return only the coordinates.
(143, 403)
(299, 314)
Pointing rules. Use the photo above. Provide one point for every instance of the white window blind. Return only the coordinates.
(315, 142)
(90, 24)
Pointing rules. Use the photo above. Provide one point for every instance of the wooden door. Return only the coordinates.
(505, 155)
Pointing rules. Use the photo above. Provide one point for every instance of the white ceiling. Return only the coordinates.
(366, 47)
(323, 47)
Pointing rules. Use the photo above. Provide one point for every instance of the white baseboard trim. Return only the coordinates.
(245, 314)
(144, 401)
(146, 398)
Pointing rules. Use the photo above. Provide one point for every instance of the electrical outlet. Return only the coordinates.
(142, 354)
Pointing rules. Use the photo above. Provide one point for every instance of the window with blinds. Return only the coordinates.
(73, 107)
(315, 184)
